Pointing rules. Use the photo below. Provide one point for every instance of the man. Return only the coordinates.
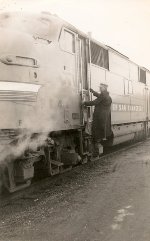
(101, 126)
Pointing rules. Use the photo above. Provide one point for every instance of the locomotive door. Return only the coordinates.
(69, 97)
(83, 85)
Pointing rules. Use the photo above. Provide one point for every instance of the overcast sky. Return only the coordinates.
(121, 24)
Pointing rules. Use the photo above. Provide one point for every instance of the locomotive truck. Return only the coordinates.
(47, 67)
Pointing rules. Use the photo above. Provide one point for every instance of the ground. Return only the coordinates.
(100, 201)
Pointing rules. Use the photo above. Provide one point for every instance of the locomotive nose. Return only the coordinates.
(18, 86)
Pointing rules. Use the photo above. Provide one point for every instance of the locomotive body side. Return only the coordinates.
(129, 95)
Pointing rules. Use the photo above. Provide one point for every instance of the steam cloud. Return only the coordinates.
(48, 113)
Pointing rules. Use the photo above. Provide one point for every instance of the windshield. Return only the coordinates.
(38, 25)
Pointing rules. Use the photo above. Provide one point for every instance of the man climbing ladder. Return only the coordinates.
(101, 126)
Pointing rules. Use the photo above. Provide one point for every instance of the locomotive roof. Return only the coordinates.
(44, 24)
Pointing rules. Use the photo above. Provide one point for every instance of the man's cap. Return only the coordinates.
(104, 85)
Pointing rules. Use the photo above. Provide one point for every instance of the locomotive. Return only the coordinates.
(47, 67)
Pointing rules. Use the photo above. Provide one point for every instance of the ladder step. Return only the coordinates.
(57, 163)
(87, 153)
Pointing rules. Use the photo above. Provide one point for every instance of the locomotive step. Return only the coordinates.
(57, 163)
(57, 167)
(60, 167)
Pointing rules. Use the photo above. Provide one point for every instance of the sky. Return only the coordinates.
(121, 24)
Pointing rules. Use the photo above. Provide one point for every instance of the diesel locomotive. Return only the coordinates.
(47, 67)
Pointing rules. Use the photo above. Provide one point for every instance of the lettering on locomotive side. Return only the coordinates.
(126, 107)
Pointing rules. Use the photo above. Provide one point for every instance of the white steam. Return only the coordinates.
(57, 94)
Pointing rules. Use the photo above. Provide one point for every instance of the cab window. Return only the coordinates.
(67, 41)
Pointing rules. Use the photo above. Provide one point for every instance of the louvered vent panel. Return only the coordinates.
(25, 96)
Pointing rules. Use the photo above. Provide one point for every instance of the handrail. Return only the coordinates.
(19, 61)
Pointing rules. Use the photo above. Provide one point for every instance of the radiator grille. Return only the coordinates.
(7, 134)
(25, 96)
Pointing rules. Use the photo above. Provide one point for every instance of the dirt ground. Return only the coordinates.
(101, 201)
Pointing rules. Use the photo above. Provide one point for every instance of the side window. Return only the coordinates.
(99, 56)
(67, 41)
(142, 75)
(128, 88)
